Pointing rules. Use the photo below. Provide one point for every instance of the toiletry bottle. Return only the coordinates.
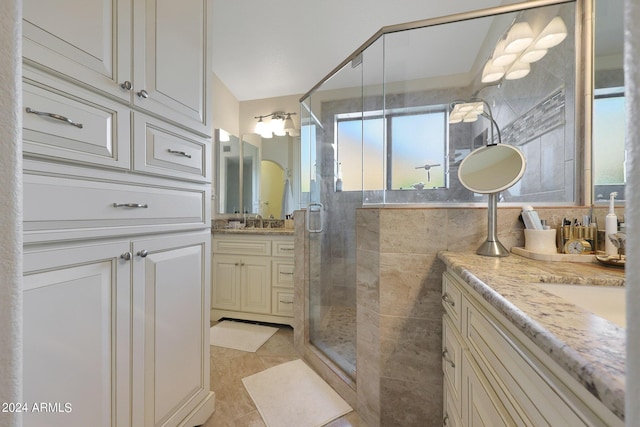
(611, 227)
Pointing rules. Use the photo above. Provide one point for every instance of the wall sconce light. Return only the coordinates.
(280, 124)
(513, 55)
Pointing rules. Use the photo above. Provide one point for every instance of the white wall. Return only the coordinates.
(226, 108)
(10, 209)
(632, 213)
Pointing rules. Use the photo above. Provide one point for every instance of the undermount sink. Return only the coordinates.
(608, 302)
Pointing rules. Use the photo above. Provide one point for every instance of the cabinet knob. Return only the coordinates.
(445, 420)
(143, 253)
(126, 256)
(446, 298)
(126, 85)
(143, 94)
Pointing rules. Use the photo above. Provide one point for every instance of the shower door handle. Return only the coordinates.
(314, 210)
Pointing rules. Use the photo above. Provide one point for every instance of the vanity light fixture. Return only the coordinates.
(520, 47)
(468, 111)
(280, 124)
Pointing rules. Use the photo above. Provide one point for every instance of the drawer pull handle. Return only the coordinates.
(446, 298)
(445, 354)
(445, 420)
(130, 205)
(55, 116)
(180, 153)
(286, 302)
(286, 249)
(288, 274)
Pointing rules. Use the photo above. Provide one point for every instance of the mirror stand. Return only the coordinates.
(492, 246)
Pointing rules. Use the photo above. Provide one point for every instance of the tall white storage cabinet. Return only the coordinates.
(117, 189)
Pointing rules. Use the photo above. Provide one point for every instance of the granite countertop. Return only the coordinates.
(590, 348)
(254, 231)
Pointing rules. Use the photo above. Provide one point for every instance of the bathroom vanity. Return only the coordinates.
(516, 354)
(253, 275)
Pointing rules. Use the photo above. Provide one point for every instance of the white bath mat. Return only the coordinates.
(240, 335)
(293, 395)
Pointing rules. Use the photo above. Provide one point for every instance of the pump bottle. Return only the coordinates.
(610, 227)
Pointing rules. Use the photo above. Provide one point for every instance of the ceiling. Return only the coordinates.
(279, 48)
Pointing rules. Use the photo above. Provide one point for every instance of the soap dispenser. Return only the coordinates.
(611, 227)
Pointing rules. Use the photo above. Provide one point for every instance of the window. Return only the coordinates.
(608, 142)
(414, 156)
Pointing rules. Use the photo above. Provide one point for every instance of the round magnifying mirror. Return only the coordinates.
(492, 168)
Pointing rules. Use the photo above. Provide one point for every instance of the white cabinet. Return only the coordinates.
(89, 41)
(242, 283)
(172, 74)
(117, 142)
(171, 328)
(77, 335)
(113, 349)
(152, 54)
(494, 375)
(253, 277)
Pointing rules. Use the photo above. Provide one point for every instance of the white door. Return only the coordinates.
(87, 40)
(170, 60)
(77, 311)
(171, 332)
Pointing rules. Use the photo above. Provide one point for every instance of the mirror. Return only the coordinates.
(250, 178)
(264, 182)
(608, 152)
(228, 165)
(492, 169)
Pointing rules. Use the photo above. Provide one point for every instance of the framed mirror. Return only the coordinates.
(250, 178)
(608, 151)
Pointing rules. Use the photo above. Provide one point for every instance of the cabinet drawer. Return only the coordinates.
(452, 299)
(163, 149)
(64, 122)
(283, 248)
(239, 246)
(282, 302)
(282, 272)
(54, 203)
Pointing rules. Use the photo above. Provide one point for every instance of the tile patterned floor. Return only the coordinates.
(234, 407)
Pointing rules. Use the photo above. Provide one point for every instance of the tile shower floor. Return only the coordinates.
(234, 406)
(337, 337)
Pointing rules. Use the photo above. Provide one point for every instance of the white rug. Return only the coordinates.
(240, 335)
(293, 395)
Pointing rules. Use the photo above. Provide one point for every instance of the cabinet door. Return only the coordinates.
(77, 352)
(171, 327)
(480, 405)
(172, 62)
(86, 40)
(255, 285)
(226, 282)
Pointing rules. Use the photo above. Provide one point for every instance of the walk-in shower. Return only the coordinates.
(376, 133)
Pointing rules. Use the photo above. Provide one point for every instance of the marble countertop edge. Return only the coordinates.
(600, 368)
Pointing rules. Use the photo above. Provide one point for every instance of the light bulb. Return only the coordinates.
(519, 38)
(552, 35)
